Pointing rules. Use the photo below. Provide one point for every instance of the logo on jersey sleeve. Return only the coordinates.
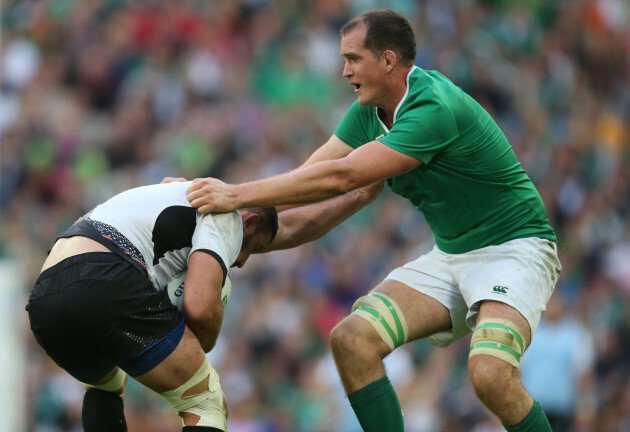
(501, 290)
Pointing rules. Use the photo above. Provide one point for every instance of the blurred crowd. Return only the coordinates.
(98, 96)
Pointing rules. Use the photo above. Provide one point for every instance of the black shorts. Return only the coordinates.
(95, 311)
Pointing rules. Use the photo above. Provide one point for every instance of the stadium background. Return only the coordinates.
(103, 95)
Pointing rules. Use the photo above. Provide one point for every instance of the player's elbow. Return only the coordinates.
(344, 185)
(206, 335)
(206, 343)
(345, 178)
(205, 323)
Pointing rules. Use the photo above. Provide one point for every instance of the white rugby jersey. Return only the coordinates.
(157, 226)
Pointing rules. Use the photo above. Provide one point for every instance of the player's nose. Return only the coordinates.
(347, 71)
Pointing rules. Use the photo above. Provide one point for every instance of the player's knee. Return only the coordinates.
(489, 376)
(349, 337)
(200, 400)
(376, 325)
(341, 335)
(495, 353)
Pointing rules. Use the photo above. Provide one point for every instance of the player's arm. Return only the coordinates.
(299, 224)
(202, 298)
(332, 149)
(304, 224)
(315, 182)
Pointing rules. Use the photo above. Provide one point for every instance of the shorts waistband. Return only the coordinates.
(84, 257)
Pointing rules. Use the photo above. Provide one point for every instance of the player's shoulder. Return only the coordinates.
(225, 222)
(174, 191)
(172, 187)
(152, 196)
(429, 94)
(428, 84)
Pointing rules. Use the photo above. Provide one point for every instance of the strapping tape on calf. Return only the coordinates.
(385, 316)
(498, 338)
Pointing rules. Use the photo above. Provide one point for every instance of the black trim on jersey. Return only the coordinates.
(83, 227)
(173, 230)
(218, 258)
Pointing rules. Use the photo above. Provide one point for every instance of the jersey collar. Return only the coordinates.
(402, 100)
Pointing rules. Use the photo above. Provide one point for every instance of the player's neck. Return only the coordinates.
(394, 95)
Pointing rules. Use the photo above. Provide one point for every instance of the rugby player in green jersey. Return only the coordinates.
(495, 262)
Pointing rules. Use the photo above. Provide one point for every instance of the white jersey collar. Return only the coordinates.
(402, 100)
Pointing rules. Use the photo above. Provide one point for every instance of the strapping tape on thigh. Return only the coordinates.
(385, 316)
(498, 338)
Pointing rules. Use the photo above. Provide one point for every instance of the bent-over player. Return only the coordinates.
(99, 310)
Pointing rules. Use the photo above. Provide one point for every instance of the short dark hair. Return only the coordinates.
(385, 30)
(268, 223)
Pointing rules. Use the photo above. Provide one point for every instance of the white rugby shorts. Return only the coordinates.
(522, 273)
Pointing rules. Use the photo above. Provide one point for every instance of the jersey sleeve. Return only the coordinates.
(354, 126)
(423, 131)
(220, 234)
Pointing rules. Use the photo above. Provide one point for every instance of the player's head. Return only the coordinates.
(379, 48)
(385, 30)
(260, 225)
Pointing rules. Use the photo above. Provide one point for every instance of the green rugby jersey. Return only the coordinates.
(471, 187)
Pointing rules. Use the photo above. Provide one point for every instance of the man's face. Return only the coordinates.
(252, 243)
(364, 71)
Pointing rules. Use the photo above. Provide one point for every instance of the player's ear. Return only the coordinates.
(250, 222)
(390, 59)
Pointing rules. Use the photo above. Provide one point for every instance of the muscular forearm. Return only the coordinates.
(302, 186)
(304, 224)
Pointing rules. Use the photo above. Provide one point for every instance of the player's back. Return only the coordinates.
(154, 224)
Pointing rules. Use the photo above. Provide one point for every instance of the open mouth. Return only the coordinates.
(356, 87)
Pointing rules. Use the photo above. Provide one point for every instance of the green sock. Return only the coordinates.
(535, 421)
(377, 407)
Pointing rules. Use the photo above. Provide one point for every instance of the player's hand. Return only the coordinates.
(173, 179)
(211, 195)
